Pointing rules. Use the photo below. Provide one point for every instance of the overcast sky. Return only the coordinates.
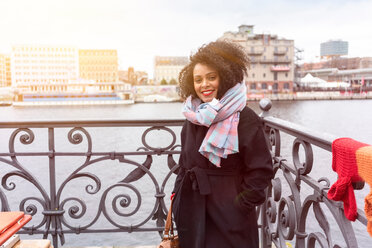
(141, 29)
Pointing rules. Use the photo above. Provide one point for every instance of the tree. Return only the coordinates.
(173, 81)
(163, 82)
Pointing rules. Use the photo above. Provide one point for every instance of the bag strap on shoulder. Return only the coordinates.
(169, 222)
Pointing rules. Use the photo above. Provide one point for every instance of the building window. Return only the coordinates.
(253, 75)
(275, 86)
(286, 74)
(286, 86)
(264, 75)
(253, 86)
(264, 86)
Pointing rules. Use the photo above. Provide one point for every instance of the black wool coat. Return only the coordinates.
(215, 207)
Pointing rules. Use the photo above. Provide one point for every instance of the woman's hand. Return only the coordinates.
(171, 197)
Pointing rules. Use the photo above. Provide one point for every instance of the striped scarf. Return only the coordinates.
(222, 118)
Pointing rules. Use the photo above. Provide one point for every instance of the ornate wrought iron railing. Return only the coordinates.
(79, 186)
(59, 211)
(286, 214)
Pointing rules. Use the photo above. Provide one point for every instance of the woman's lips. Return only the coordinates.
(207, 92)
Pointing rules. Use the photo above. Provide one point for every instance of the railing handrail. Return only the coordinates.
(323, 140)
(91, 123)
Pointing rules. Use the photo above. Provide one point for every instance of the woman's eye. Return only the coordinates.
(212, 78)
(197, 80)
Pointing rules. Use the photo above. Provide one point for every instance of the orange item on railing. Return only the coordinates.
(345, 164)
(10, 223)
(364, 160)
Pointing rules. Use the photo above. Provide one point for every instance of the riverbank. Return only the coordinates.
(73, 103)
(299, 96)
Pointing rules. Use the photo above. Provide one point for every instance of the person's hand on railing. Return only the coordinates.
(173, 194)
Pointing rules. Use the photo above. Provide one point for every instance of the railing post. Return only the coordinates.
(52, 182)
(265, 105)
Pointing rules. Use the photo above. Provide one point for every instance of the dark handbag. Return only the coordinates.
(169, 239)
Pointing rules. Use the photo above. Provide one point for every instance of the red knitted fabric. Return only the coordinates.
(345, 164)
(364, 160)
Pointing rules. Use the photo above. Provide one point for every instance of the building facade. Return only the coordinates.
(99, 65)
(272, 60)
(5, 71)
(168, 68)
(340, 63)
(43, 64)
(8, 71)
(133, 77)
(334, 48)
(355, 71)
(2, 71)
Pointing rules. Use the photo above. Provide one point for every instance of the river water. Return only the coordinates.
(343, 118)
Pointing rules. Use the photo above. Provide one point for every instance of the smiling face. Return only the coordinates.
(206, 82)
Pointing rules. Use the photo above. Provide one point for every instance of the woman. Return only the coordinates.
(225, 164)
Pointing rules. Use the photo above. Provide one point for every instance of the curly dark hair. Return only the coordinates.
(229, 59)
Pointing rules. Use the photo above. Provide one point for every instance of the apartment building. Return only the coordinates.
(272, 60)
(34, 64)
(99, 65)
(168, 68)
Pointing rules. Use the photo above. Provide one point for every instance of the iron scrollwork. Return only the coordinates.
(286, 216)
(286, 213)
(58, 212)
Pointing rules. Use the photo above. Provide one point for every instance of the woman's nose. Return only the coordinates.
(204, 82)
